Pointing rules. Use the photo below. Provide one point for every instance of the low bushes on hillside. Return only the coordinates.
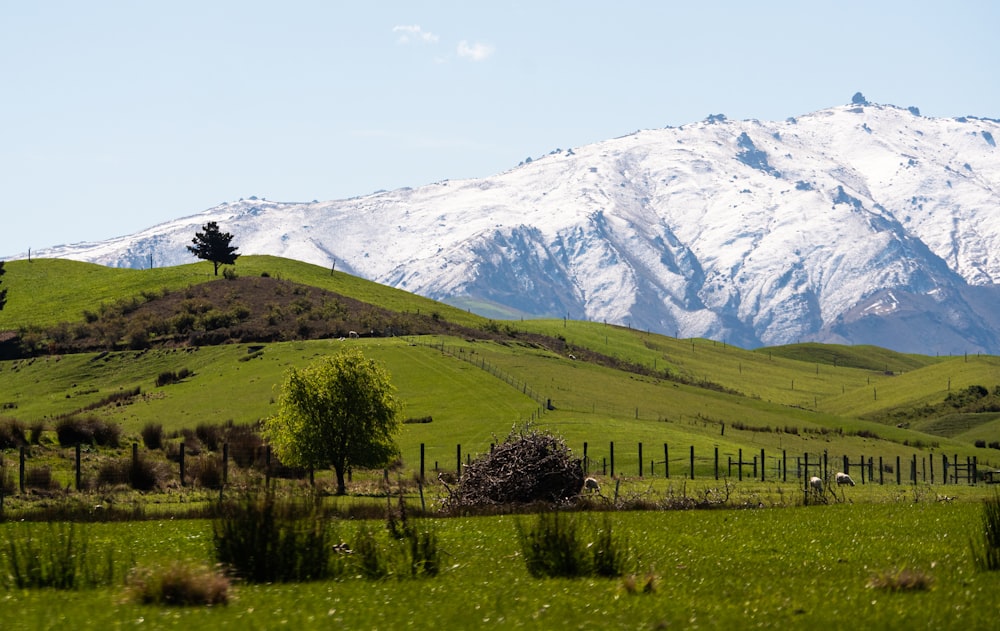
(142, 474)
(12, 433)
(89, 430)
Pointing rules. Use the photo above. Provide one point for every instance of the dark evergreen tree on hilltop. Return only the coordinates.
(3, 292)
(213, 245)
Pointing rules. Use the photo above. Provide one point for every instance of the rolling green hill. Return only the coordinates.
(591, 382)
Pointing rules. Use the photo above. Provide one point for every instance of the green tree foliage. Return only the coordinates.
(337, 412)
(213, 245)
(3, 292)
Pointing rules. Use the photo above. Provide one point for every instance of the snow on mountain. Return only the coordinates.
(856, 224)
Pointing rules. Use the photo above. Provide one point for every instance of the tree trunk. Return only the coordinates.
(341, 486)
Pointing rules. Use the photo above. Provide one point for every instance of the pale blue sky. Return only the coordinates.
(119, 115)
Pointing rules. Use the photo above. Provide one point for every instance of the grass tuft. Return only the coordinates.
(986, 551)
(57, 556)
(179, 583)
(263, 539)
(555, 546)
(905, 580)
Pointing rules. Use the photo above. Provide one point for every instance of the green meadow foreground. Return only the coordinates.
(829, 567)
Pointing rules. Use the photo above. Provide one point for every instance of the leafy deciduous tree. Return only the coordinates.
(337, 412)
(213, 245)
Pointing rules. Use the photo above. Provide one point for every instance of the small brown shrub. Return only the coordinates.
(152, 436)
(905, 580)
(12, 433)
(180, 584)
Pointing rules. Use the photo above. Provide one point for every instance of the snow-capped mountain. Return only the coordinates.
(862, 223)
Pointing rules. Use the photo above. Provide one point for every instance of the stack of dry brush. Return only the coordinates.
(528, 466)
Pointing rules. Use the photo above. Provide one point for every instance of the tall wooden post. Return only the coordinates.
(183, 464)
(78, 480)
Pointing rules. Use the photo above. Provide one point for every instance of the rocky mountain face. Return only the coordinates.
(863, 224)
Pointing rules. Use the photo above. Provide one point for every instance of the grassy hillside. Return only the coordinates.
(48, 291)
(605, 383)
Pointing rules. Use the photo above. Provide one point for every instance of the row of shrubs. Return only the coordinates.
(70, 431)
(262, 539)
(993, 444)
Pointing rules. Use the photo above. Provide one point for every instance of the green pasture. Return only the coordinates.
(468, 405)
(811, 567)
(798, 399)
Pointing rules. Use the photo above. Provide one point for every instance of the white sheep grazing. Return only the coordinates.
(591, 485)
(816, 484)
(843, 478)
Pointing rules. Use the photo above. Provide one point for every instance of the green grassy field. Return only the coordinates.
(773, 568)
(799, 399)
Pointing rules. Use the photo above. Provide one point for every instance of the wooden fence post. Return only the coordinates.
(458, 460)
(134, 471)
(762, 465)
(183, 445)
(739, 466)
(78, 467)
(586, 461)
(267, 467)
(421, 462)
(805, 478)
(716, 462)
(784, 465)
(612, 459)
(898, 467)
(913, 469)
(666, 461)
(640, 460)
(21, 469)
(692, 462)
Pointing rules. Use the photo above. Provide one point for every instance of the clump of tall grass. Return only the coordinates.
(262, 539)
(152, 436)
(557, 546)
(905, 580)
(56, 555)
(12, 433)
(77, 430)
(180, 584)
(142, 474)
(986, 550)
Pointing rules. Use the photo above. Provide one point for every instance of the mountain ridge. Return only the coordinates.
(863, 223)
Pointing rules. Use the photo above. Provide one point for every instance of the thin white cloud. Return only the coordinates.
(413, 33)
(476, 51)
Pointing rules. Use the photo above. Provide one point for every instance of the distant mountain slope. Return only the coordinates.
(865, 224)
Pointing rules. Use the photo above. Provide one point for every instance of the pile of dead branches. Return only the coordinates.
(528, 466)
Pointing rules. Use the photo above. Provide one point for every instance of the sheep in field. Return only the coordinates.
(843, 478)
(816, 484)
(590, 485)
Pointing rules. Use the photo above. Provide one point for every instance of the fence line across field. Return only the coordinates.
(687, 465)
